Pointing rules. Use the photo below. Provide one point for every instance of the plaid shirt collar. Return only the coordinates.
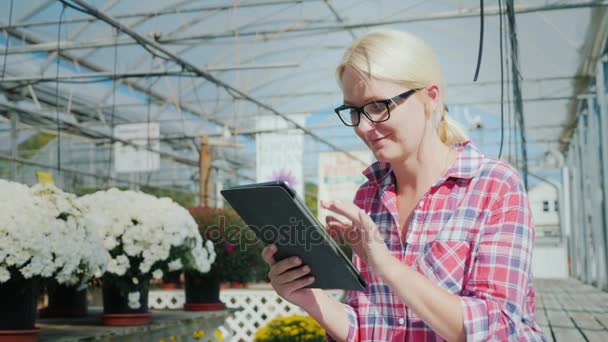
(466, 166)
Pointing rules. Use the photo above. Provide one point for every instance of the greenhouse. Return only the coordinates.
(146, 147)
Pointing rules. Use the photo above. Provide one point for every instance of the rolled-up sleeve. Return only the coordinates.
(495, 300)
(349, 306)
(351, 303)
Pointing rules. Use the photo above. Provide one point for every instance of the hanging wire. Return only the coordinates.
(148, 114)
(179, 102)
(502, 84)
(8, 38)
(517, 96)
(510, 118)
(480, 41)
(113, 108)
(58, 61)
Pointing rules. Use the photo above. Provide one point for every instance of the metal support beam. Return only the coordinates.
(14, 144)
(338, 18)
(157, 13)
(112, 76)
(601, 90)
(136, 86)
(595, 40)
(273, 34)
(599, 257)
(82, 173)
(469, 103)
(565, 212)
(573, 222)
(78, 130)
(585, 207)
(191, 67)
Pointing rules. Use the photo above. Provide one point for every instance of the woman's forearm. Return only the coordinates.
(439, 309)
(330, 314)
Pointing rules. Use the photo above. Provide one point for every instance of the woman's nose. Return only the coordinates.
(364, 125)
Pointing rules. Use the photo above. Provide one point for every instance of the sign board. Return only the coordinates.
(340, 176)
(45, 177)
(129, 158)
(279, 155)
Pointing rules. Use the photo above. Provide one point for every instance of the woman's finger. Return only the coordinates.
(337, 229)
(348, 210)
(336, 224)
(368, 228)
(268, 254)
(293, 274)
(353, 213)
(298, 284)
(283, 266)
(343, 220)
(332, 219)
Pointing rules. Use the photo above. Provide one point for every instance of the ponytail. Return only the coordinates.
(449, 131)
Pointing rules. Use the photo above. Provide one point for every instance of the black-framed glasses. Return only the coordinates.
(375, 111)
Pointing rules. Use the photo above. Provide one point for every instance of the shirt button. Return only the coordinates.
(421, 204)
(401, 321)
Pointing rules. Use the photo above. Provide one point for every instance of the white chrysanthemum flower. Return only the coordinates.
(157, 274)
(44, 235)
(4, 275)
(77, 249)
(110, 242)
(147, 229)
(144, 268)
(175, 265)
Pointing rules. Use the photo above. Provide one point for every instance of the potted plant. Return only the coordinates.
(172, 280)
(293, 328)
(238, 257)
(38, 244)
(82, 252)
(146, 237)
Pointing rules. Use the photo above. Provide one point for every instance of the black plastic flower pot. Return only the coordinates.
(202, 292)
(18, 308)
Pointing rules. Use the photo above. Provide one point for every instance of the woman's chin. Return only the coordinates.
(383, 155)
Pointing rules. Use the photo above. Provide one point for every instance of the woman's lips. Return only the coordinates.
(377, 141)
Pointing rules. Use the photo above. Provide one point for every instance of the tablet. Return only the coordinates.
(278, 216)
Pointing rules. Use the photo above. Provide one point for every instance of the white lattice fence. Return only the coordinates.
(166, 299)
(257, 306)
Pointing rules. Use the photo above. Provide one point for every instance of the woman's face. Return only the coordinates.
(397, 138)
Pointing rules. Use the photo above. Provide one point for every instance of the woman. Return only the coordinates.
(442, 234)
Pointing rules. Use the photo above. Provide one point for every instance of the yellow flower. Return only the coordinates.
(198, 334)
(290, 328)
(218, 335)
(172, 338)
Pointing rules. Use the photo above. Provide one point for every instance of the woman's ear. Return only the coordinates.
(431, 97)
(433, 93)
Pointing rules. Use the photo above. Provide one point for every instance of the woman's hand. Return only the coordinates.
(362, 233)
(288, 278)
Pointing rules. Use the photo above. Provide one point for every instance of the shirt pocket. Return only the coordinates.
(445, 262)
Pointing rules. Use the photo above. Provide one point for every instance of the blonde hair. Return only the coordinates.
(401, 57)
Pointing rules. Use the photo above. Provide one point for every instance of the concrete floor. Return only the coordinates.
(568, 310)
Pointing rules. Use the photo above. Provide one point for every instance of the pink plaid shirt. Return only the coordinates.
(471, 234)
